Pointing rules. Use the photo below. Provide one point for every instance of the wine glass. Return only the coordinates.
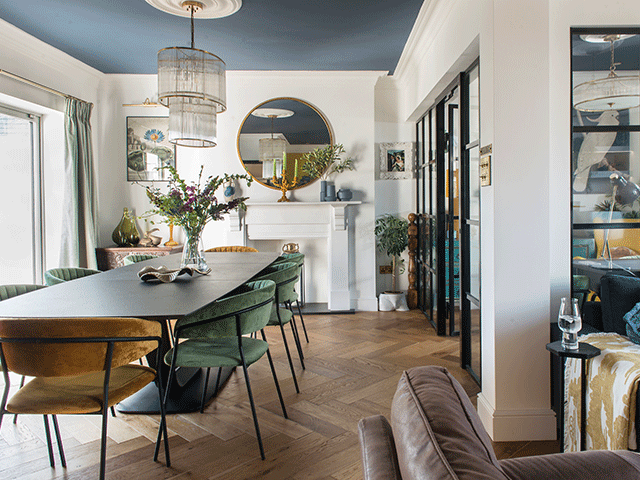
(570, 322)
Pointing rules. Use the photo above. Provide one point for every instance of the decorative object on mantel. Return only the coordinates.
(323, 162)
(282, 182)
(290, 248)
(396, 160)
(392, 235)
(171, 242)
(192, 207)
(345, 194)
(126, 233)
(192, 82)
(166, 275)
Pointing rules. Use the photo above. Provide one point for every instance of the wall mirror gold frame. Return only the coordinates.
(281, 124)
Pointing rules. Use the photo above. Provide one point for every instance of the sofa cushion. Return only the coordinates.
(437, 431)
(618, 294)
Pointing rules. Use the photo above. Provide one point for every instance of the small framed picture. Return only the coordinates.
(148, 149)
(396, 160)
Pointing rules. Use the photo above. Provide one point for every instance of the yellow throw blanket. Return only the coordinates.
(612, 383)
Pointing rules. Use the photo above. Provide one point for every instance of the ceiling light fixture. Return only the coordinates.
(192, 82)
(271, 149)
(613, 92)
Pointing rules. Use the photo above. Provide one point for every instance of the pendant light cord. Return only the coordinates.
(192, 8)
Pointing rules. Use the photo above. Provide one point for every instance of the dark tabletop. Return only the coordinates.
(121, 293)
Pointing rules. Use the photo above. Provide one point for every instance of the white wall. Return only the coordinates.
(347, 99)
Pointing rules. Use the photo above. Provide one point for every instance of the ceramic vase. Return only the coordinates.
(126, 234)
(323, 190)
(331, 193)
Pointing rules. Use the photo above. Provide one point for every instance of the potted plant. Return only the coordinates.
(323, 162)
(392, 238)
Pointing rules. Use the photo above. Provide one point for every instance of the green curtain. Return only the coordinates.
(78, 246)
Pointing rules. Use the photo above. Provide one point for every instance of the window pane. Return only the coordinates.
(474, 106)
(474, 183)
(16, 157)
(474, 267)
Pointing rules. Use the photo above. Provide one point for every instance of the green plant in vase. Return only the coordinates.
(392, 238)
(192, 207)
(323, 162)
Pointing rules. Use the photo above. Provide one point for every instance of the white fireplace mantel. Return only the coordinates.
(292, 220)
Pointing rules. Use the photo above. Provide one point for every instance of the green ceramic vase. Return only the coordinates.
(126, 233)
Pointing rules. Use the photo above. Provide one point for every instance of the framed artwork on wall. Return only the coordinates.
(148, 149)
(396, 160)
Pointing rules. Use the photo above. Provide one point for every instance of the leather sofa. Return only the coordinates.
(435, 433)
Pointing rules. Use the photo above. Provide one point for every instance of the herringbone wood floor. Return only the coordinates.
(353, 363)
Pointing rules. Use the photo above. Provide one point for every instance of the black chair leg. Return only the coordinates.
(253, 407)
(218, 379)
(49, 444)
(56, 429)
(113, 411)
(302, 321)
(103, 443)
(204, 390)
(286, 349)
(275, 378)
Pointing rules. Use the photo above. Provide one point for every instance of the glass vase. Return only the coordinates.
(193, 251)
(126, 234)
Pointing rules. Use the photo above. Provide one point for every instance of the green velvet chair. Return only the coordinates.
(285, 276)
(87, 369)
(298, 259)
(64, 274)
(10, 291)
(214, 337)
(137, 257)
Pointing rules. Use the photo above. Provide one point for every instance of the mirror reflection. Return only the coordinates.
(277, 127)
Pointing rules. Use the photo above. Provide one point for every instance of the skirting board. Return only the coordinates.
(320, 309)
(517, 425)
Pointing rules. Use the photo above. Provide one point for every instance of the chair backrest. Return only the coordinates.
(10, 291)
(53, 347)
(137, 257)
(64, 274)
(284, 275)
(251, 303)
(297, 258)
(232, 248)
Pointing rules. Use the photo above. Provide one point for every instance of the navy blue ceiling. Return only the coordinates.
(124, 36)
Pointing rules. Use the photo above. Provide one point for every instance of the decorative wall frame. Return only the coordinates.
(148, 148)
(396, 160)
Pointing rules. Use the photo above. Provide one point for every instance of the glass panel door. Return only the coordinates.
(21, 244)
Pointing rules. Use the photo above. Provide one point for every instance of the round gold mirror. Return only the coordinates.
(277, 127)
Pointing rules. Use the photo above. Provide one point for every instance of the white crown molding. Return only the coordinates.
(430, 19)
(16, 40)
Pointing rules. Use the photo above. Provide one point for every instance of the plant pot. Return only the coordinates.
(390, 301)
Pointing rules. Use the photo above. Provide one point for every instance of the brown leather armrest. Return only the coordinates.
(379, 458)
(595, 464)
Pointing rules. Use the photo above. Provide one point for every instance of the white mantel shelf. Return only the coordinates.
(291, 220)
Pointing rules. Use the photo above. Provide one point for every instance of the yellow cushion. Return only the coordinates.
(79, 394)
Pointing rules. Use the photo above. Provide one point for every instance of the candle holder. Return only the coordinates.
(284, 185)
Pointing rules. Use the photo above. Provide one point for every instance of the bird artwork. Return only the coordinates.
(594, 149)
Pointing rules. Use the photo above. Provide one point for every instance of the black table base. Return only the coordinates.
(180, 400)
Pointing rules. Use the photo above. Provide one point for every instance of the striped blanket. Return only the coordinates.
(612, 378)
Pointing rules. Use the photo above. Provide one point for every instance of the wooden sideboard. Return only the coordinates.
(112, 257)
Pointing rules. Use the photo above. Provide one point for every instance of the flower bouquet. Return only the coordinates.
(192, 207)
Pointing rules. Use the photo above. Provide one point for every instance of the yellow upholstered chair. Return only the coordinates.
(87, 369)
(232, 248)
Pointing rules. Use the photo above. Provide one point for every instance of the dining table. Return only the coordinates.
(121, 293)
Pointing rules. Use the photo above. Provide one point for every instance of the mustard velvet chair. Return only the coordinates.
(10, 291)
(284, 275)
(64, 274)
(137, 257)
(298, 259)
(233, 248)
(214, 337)
(87, 369)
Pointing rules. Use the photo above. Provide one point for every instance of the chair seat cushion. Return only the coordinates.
(285, 316)
(217, 352)
(78, 394)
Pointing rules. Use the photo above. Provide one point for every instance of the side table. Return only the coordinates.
(584, 352)
(112, 257)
